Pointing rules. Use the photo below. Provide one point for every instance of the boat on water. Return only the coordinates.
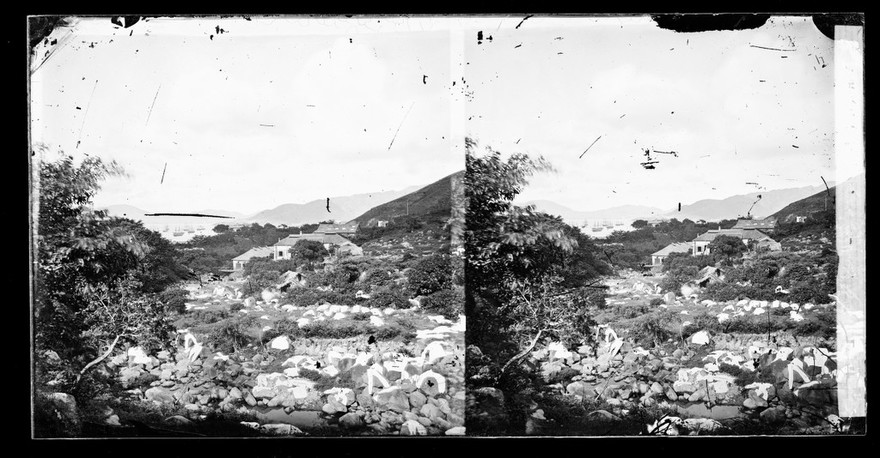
(177, 234)
(597, 229)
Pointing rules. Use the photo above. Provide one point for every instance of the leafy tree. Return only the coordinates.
(89, 285)
(308, 250)
(221, 228)
(514, 293)
(728, 246)
(430, 274)
(639, 223)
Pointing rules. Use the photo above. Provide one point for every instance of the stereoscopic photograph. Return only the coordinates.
(500, 225)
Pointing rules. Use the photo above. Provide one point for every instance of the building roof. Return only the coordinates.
(258, 252)
(747, 234)
(333, 239)
(680, 247)
(291, 239)
(768, 223)
(337, 228)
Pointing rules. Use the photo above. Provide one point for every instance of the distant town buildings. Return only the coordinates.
(768, 224)
(239, 261)
(338, 228)
(282, 249)
(327, 234)
(700, 245)
(680, 247)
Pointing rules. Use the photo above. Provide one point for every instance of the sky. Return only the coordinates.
(270, 111)
(291, 109)
(734, 112)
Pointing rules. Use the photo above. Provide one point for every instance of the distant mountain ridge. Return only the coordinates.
(705, 209)
(342, 209)
(738, 206)
(432, 200)
(818, 202)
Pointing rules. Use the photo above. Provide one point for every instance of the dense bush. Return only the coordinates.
(656, 301)
(233, 333)
(430, 274)
(653, 329)
(678, 276)
(264, 272)
(629, 311)
(236, 306)
(304, 297)
(174, 299)
(376, 277)
(446, 302)
(388, 297)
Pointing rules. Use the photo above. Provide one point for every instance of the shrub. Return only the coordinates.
(233, 333)
(376, 277)
(395, 331)
(652, 329)
(631, 310)
(430, 274)
(676, 277)
(236, 306)
(446, 302)
(282, 328)
(656, 301)
(208, 316)
(304, 297)
(174, 299)
(388, 297)
(335, 329)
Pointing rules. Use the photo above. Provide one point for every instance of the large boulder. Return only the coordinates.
(582, 389)
(280, 343)
(431, 383)
(137, 355)
(159, 395)
(351, 421)
(392, 398)
(669, 298)
(412, 428)
(701, 338)
(280, 429)
(57, 416)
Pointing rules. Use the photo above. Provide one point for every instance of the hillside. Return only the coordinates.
(807, 206)
(432, 200)
(738, 206)
(342, 208)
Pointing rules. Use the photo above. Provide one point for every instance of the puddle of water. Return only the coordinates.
(298, 418)
(718, 412)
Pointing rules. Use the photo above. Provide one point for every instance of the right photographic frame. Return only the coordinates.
(665, 225)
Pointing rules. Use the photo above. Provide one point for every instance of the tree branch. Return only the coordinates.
(523, 353)
(98, 359)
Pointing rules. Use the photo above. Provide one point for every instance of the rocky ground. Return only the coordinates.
(705, 384)
(296, 386)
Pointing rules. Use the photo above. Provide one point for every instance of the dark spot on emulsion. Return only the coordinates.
(707, 22)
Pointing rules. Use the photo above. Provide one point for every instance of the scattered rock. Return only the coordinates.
(413, 428)
(351, 421)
